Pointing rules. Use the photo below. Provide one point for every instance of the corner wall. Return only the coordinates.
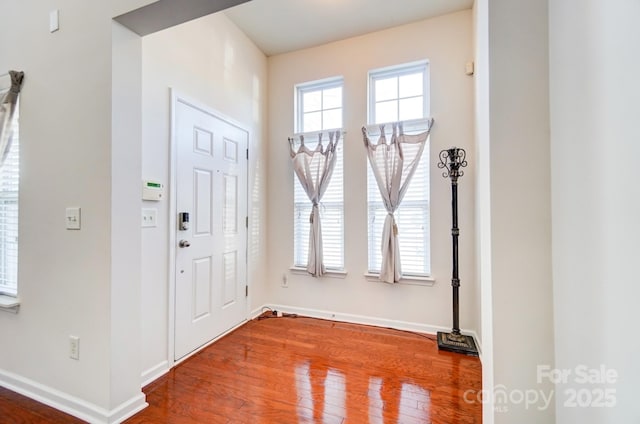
(447, 42)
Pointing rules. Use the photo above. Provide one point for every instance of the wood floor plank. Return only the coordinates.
(18, 409)
(302, 370)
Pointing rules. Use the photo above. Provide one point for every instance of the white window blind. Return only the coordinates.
(412, 219)
(319, 107)
(331, 215)
(9, 179)
(401, 93)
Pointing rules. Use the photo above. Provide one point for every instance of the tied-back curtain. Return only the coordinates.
(8, 104)
(314, 169)
(393, 164)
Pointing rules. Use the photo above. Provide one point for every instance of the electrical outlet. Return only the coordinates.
(285, 281)
(74, 347)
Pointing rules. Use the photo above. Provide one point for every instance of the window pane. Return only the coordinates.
(312, 121)
(411, 85)
(332, 98)
(332, 119)
(312, 101)
(411, 108)
(386, 89)
(386, 111)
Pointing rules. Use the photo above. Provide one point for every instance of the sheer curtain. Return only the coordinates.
(8, 104)
(314, 169)
(393, 164)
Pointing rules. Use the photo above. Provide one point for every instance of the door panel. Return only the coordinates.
(211, 185)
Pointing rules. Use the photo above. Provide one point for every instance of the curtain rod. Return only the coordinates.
(410, 125)
(313, 135)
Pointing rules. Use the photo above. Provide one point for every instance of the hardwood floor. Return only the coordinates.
(17, 409)
(302, 370)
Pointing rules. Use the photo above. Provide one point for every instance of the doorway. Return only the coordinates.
(211, 233)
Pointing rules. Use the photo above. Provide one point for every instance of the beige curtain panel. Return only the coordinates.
(8, 104)
(314, 169)
(393, 163)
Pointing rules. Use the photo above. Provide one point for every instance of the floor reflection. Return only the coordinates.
(327, 395)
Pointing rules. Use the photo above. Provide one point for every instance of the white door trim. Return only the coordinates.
(177, 96)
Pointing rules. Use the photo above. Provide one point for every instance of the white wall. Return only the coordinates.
(447, 42)
(515, 224)
(211, 61)
(69, 284)
(594, 144)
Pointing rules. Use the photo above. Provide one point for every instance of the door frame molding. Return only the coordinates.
(177, 96)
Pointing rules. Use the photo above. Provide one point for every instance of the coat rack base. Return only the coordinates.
(458, 343)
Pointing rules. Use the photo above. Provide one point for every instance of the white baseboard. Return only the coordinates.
(155, 372)
(70, 404)
(367, 320)
(128, 409)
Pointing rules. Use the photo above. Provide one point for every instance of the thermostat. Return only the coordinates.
(152, 190)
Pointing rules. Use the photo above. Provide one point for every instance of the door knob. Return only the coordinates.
(184, 243)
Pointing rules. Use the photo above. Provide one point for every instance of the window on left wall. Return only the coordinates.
(9, 183)
(318, 109)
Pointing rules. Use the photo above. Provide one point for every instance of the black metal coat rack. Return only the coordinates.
(451, 160)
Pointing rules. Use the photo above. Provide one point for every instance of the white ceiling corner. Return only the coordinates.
(280, 26)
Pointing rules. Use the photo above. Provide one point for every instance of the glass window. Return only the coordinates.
(319, 107)
(398, 94)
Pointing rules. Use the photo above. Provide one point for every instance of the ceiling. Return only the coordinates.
(280, 26)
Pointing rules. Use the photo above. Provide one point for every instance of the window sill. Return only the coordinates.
(330, 273)
(410, 280)
(9, 304)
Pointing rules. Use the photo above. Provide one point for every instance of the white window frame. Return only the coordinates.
(397, 71)
(319, 85)
(302, 205)
(9, 292)
(409, 277)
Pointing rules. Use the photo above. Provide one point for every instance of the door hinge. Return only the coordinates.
(246, 222)
(247, 154)
(246, 291)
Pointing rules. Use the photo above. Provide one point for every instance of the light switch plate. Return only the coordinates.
(54, 20)
(73, 218)
(149, 217)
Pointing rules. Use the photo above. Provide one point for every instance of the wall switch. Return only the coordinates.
(54, 20)
(74, 347)
(285, 281)
(73, 218)
(149, 217)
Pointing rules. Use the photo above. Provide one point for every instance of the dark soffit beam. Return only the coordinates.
(164, 14)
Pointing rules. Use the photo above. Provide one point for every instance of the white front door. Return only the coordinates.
(211, 251)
